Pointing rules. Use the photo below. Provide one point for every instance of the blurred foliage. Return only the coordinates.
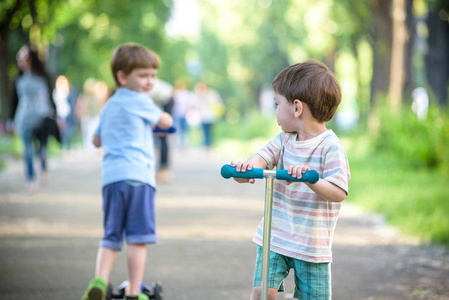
(241, 46)
(10, 145)
(253, 126)
(78, 36)
(411, 198)
(419, 143)
(239, 140)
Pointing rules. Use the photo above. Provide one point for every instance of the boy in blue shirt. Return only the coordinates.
(128, 174)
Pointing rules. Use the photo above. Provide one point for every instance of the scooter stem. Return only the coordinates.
(266, 235)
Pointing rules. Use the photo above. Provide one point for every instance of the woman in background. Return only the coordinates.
(32, 107)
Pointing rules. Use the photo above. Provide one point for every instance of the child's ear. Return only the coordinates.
(121, 77)
(298, 107)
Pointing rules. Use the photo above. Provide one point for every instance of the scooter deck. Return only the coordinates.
(155, 292)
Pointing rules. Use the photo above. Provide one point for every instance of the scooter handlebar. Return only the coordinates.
(158, 129)
(227, 171)
(310, 176)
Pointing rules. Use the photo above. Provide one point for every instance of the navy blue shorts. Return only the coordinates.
(128, 213)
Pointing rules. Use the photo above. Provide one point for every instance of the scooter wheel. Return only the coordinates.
(158, 291)
(109, 292)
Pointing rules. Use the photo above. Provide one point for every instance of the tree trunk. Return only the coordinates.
(410, 82)
(4, 58)
(381, 44)
(437, 58)
(397, 71)
(4, 80)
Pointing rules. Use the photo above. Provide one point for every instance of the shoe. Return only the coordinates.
(32, 187)
(96, 290)
(142, 296)
(43, 177)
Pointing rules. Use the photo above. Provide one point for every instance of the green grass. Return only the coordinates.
(415, 200)
(11, 145)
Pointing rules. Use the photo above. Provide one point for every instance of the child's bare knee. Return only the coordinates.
(255, 295)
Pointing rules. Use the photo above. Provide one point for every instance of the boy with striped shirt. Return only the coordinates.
(304, 215)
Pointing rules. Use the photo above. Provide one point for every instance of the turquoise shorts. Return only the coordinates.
(312, 280)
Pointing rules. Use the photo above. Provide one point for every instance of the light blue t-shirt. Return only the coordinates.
(127, 137)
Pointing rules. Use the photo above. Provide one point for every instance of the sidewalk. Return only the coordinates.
(48, 240)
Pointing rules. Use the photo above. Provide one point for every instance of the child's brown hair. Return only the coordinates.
(130, 56)
(312, 83)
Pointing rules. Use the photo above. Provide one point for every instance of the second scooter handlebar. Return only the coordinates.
(227, 171)
(158, 129)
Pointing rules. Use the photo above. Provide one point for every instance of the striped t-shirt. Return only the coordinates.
(303, 222)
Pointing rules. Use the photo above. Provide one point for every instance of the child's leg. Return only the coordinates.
(278, 271)
(43, 141)
(137, 256)
(97, 288)
(27, 139)
(111, 244)
(140, 230)
(312, 280)
(255, 295)
(105, 261)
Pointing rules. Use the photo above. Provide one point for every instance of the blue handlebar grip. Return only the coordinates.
(158, 129)
(311, 176)
(227, 171)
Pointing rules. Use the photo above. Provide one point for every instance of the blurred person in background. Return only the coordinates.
(184, 101)
(63, 100)
(420, 104)
(210, 107)
(88, 107)
(32, 111)
(162, 95)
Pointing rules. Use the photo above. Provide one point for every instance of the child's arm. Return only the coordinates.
(255, 161)
(328, 190)
(324, 188)
(165, 121)
(96, 141)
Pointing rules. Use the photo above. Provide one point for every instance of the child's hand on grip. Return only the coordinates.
(242, 167)
(296, 171)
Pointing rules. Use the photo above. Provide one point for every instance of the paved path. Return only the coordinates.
(48, 240)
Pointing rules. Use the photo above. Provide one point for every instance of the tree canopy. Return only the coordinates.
(242, 45)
